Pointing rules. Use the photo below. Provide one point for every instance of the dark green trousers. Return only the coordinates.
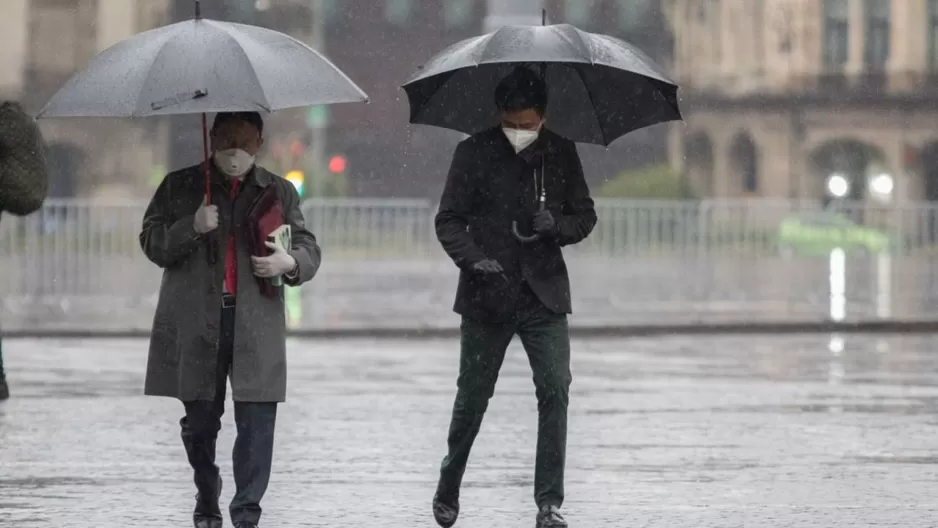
(546, 340)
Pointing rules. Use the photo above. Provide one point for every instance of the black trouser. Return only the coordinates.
(253, 448)
(546, 340)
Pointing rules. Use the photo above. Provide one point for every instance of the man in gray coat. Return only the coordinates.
(212, 320)
(24, 177)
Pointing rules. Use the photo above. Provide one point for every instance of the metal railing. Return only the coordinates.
(77, 264)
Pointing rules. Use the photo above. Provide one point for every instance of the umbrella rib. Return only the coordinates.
(143, 85)
(485, 47)
(325, 59)
(587, 47)
(225, 30)
(586, 86)
(423, 108)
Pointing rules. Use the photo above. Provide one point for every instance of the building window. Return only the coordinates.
(398, 12)
(458, 13)
(876, 41)
(633, 13)
(578, 12)
(836, 33)
(327, 9)
(933, 35)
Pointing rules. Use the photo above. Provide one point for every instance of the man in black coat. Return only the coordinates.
(24, 176)
(508, 285)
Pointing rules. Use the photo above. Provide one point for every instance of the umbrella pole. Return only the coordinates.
(206, 171)
(210, 248)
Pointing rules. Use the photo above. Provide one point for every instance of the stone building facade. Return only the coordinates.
(46, 41)
(781, 96)
(379, 43)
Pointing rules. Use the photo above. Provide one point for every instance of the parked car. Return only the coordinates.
(818, 234)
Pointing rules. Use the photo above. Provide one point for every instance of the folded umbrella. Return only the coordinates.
(599, 87)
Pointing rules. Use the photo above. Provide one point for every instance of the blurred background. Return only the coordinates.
(379, 43)
(800, 186)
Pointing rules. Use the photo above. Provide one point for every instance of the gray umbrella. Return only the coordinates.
(600, 87)
(200, 66)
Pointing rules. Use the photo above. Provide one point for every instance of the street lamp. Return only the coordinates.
(838, 185)
(882, 186)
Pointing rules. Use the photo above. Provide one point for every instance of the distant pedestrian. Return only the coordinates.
(24, 178)
(508, 286)
(214, 319)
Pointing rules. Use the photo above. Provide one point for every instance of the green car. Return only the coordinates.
(820, 233)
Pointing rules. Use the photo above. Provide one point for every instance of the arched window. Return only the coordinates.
(744, 159)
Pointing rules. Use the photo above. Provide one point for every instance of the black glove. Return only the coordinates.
(544, 223)
(487, 266)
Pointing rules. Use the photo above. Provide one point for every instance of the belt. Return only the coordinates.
(227, 300)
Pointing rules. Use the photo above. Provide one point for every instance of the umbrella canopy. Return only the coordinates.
(600, 87)
(202, 66)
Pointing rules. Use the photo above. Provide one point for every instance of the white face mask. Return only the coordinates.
(521, 139)
(234, 162)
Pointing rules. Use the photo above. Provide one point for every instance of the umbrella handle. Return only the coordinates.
(535, 236)
(521, 238)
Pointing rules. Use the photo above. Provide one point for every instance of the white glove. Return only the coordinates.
(206, 219)
(277, 264)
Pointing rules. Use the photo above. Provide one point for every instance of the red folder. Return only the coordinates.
(263, 217)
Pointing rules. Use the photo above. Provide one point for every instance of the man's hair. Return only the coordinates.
(522, 89)
(251, 118)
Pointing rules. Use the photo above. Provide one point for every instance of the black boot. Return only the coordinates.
(206, 522)
(207, 513)
(445, 506)
(4, 388)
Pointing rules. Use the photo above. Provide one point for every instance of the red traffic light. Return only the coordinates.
(337, 164)
(296, 148)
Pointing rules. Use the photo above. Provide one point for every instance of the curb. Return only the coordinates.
(609, 331)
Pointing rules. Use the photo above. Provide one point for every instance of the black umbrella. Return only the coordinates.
(599, 87)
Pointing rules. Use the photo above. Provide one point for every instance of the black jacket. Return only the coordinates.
(24, 175)
(487, 188)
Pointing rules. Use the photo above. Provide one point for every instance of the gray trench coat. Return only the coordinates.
(184, 340)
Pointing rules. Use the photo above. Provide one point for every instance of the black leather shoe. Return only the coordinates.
(245, 525)
(549, 517)
(445, 510)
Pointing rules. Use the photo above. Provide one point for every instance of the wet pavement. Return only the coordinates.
(806, 431)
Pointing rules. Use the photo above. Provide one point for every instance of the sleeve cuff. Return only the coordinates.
(295, 272)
